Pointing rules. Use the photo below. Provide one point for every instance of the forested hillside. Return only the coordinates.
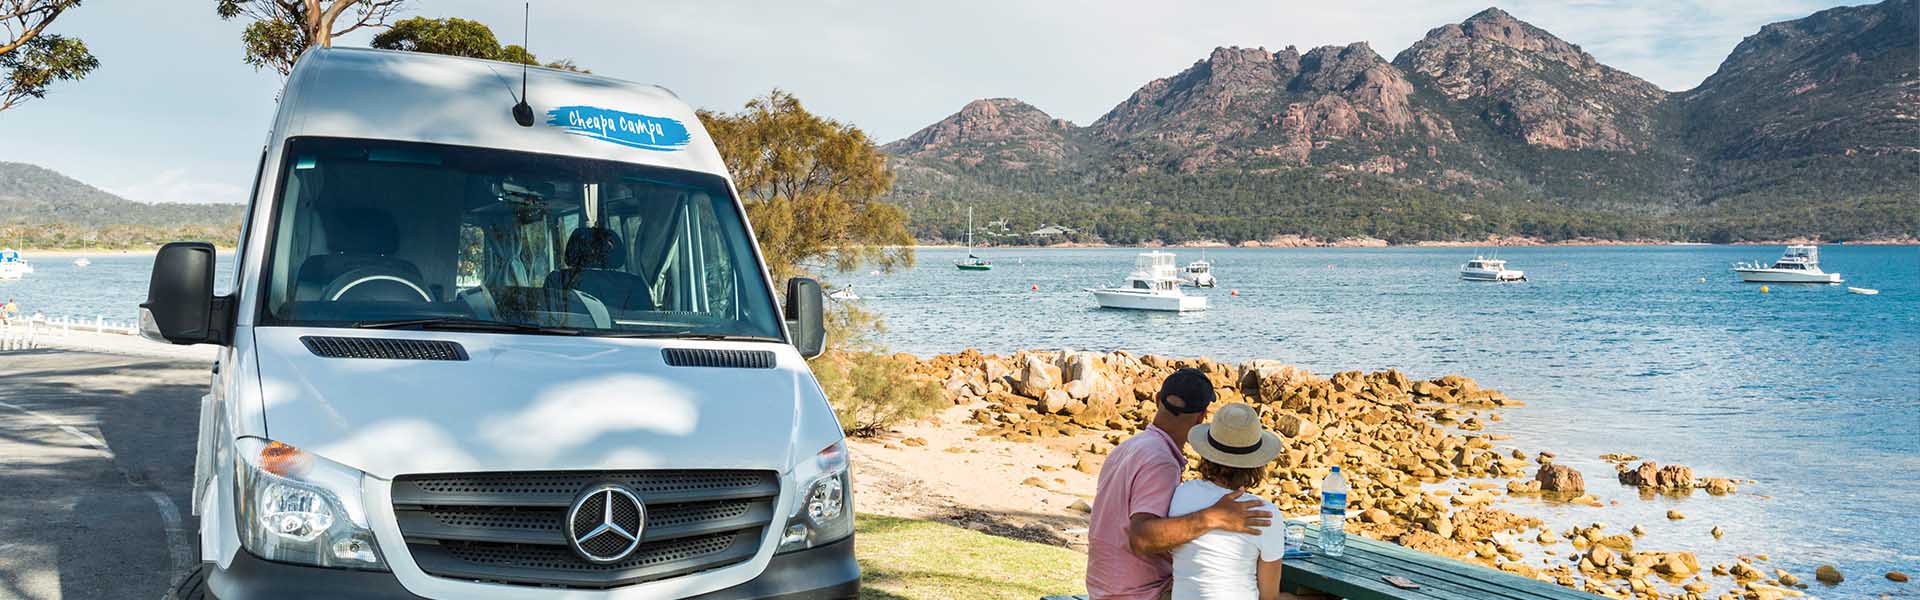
(40, 208)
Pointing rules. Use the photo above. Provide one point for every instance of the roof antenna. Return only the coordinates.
(523, 113)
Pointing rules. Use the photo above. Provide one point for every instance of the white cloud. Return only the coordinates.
(176, 185)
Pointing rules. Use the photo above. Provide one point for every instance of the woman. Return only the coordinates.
(1234, 453)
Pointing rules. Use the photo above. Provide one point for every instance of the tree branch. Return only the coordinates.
(30, 29)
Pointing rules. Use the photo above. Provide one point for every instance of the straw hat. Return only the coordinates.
(1234, 438)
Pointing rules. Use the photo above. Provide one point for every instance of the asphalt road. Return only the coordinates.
(96, 458)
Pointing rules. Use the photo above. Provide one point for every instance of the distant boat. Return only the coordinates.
(1863, 291)
(1800, 264)
(1489, 269)
(12, 265)
(1153, 285)
(973, 262)
(1199, 273)
(82, 262)
(845, 293)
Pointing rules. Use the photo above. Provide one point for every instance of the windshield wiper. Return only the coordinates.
(690, 335)
(461, 324)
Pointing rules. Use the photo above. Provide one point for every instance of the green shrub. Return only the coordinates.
(871, 392)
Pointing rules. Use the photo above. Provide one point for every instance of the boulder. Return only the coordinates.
(1035, 378)
(1829, 575)
(1719, 486)
(1674, 477)
(1079, 389)
(1560, 478)
(1080, 506)
(1674, 515)
(1294, 426)
(1054, 401)
(1896, 577)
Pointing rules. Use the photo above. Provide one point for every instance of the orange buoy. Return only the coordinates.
(1235, 293)
(1036, 287)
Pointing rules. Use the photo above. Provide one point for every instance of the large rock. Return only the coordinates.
(1054, 401)
(1296, 427)
(1560, 478)
(1829, 575)
(1036, 377)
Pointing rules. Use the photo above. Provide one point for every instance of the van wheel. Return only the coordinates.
(193, 586)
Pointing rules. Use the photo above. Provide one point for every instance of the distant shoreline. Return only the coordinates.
(1309, 243)
(32, 253)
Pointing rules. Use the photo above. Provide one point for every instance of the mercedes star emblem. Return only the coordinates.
(604, 524)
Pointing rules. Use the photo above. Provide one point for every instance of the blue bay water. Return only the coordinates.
(1809, 390)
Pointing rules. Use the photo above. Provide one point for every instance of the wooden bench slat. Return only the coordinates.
(1508, 585)
(1430, 576)
(1367, 560)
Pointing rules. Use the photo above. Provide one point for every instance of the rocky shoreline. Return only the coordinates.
(1425, 471)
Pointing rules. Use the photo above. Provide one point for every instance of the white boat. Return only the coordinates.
(1489, 269)
(1199, 273)
(1801, 264)
(1153, 285)
(12, 266)
(82, 262)
(843, 294)
(1863, 291)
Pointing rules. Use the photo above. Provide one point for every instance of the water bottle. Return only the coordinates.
(1333, 514)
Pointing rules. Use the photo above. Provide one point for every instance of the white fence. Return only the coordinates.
(24, 333)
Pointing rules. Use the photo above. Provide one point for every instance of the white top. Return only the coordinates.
(1220, 565)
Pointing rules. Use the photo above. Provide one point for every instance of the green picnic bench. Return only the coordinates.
(1357, 575)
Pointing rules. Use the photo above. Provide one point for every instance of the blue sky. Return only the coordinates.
(172, 114)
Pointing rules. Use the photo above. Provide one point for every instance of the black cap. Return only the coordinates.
(1193, 388)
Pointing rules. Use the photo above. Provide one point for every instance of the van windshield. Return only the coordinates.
(375, 233)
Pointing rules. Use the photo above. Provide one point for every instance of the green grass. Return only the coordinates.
(909, 559)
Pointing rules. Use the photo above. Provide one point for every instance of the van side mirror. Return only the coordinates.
(180, 305)
(806, 316)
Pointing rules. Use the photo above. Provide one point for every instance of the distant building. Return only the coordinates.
(1052, 230)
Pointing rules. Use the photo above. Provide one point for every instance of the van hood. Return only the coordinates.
(534, 402)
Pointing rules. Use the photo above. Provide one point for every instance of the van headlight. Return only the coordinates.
(297, 507)
(825, 511)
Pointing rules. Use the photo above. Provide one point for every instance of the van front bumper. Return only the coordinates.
(825, 573)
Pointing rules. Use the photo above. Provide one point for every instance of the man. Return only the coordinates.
(8, 310)
(1130, 535)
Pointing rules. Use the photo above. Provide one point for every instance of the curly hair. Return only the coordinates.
(1233, 478)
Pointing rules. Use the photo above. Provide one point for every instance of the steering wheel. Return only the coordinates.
(374, 284)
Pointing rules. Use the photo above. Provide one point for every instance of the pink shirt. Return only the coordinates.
(1138, 478)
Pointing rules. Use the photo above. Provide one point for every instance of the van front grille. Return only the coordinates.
(511, 527)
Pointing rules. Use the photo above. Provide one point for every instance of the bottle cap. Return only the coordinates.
(1336, 469)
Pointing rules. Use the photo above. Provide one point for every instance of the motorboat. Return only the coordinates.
(1198, 273)
(1800, 264)
(1153, 285)
(1489, 269)
(1863, 291)
(973, 261)
(82, 262)
(844, 294)
(12, 266)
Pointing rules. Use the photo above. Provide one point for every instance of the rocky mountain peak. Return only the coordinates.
(1011, 131)
(1531, 85)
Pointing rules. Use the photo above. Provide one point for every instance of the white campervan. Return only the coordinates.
(484, 349)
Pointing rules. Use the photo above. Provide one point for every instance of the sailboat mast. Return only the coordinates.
(969, 231)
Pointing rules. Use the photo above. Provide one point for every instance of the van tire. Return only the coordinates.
(193, 586)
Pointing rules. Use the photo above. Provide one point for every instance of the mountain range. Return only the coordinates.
(1489, 126)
